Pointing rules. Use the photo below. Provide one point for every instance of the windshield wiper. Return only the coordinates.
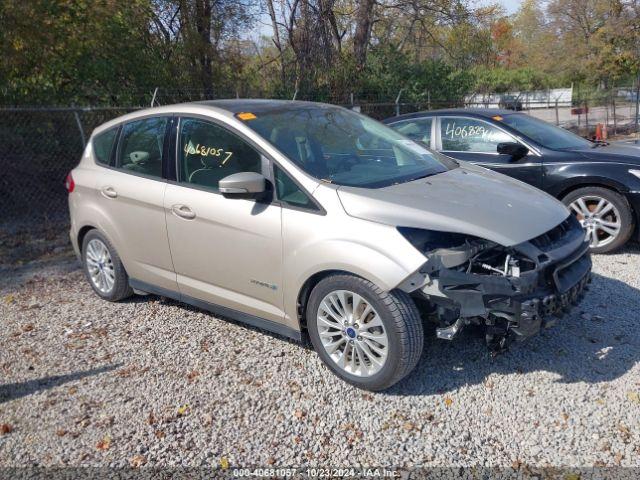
(418, 178)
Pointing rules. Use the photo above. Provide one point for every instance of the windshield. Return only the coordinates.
(343, 147)
(544, 133)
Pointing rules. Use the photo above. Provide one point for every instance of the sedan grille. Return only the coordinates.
(558, 235)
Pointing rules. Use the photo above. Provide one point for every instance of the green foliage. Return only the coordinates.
(500, 79)
(77, 51)
(388, 71)
(115, 52)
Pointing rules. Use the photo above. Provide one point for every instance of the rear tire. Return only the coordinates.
(374, 346)
(605, 214)
(103, 268)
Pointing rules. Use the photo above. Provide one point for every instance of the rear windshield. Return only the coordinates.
(343, 147)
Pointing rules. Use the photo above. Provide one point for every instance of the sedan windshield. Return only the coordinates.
(343, 147)
(544, 133)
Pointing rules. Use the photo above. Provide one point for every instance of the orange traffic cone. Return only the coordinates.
(599, 132)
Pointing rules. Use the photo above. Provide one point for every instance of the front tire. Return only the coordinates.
(103, 268)
(367, 337)
(605, 214)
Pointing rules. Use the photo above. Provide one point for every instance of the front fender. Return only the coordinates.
(319, 243)
(560, 178)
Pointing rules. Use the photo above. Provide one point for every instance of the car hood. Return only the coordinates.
(613, 152)
(469, 200)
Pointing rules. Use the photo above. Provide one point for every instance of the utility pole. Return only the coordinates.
(637, 103)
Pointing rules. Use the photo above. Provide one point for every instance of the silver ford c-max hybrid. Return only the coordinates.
(313, 221)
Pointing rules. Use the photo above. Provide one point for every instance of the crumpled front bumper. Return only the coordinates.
(521, 305)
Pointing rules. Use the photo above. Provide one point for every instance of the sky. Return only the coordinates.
(509, 5)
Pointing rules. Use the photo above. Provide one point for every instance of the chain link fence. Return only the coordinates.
(39, 146)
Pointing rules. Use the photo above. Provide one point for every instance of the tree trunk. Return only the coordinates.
(203, 27)
(364, 22)
(276, 38)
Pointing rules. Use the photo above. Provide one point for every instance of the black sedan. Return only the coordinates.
(600, 183)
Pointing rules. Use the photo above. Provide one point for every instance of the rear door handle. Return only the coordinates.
(109, 192)
(183, 211)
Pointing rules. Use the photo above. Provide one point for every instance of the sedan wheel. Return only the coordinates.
(352, 333)
(599, 217)
(605, 215)
(100, 266)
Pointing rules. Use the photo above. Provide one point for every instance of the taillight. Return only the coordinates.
(69, 183)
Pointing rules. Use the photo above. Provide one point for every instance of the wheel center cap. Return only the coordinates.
(351, 332)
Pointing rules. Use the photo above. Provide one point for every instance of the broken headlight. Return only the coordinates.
(466, 253)
(428, 240)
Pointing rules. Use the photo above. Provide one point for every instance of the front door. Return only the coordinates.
(476, 141)
(226, 251)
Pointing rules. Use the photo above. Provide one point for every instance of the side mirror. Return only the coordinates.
(242, 184)
(515, 150)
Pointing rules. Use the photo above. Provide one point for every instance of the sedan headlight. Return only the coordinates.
(635, 173)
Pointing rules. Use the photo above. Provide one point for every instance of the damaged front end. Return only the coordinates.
(513, 291)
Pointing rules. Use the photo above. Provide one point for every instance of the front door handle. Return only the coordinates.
(109, 192)
(183, 211)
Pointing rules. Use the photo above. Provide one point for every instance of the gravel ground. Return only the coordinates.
(154, 382)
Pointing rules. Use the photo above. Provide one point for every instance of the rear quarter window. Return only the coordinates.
(103, 146)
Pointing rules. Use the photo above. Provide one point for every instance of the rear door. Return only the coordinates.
(131, 195)
(476, 140)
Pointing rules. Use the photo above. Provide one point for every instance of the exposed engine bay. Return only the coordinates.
(512, 291)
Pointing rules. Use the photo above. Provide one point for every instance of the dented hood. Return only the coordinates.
(469, 200)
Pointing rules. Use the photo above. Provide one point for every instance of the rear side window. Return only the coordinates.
(471, 135)
(418, 129)
(208, 153)
(141, 145)
(289, 192)
(103, 145)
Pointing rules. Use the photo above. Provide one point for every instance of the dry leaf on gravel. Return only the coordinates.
(224, 463)
(448, 401)
(633, 397)
(572, 476)
(137, 461)
(183, 410)
(105, 443)
(408, 426)
(5, 428)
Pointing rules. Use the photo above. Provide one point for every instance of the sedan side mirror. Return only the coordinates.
(515, 150)
(242, 184)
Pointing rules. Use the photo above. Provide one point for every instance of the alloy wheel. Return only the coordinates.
(599, 217)
(352, 333)
(100, 266)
